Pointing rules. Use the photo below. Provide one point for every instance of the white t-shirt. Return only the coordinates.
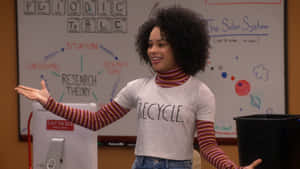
(167, 116)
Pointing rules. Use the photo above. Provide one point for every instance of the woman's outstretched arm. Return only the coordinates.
(91, 120)
(210, 150)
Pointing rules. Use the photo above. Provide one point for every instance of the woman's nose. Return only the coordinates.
(153, 48)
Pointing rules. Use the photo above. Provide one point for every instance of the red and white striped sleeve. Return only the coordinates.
(209, 148)
(91, 120)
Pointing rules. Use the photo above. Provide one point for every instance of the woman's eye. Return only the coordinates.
(161, 44)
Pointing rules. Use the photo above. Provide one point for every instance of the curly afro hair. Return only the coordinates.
(187, 33)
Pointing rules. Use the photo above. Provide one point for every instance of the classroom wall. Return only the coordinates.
(13, 153)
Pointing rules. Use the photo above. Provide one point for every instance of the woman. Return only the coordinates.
(171, 105)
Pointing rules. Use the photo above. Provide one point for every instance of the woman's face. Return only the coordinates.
(160, 52)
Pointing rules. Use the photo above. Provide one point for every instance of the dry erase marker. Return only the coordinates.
(115, 144)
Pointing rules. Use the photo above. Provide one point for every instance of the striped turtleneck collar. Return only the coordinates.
(172, 78)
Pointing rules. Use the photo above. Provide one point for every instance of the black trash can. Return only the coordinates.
(274, 138)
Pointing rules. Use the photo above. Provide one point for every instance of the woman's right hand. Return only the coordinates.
(40, 95)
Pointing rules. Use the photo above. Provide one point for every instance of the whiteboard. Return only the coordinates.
(84, 50)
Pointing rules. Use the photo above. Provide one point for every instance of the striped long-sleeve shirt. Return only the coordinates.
(113, 111)
(209, 148)
(91, 120)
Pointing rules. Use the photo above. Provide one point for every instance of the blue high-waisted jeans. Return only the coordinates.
(143, 162)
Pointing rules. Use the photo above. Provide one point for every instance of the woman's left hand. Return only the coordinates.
(253, 164)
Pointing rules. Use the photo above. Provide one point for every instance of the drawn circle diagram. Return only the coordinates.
(82, 82)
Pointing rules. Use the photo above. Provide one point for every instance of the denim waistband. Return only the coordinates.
(163, 163)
